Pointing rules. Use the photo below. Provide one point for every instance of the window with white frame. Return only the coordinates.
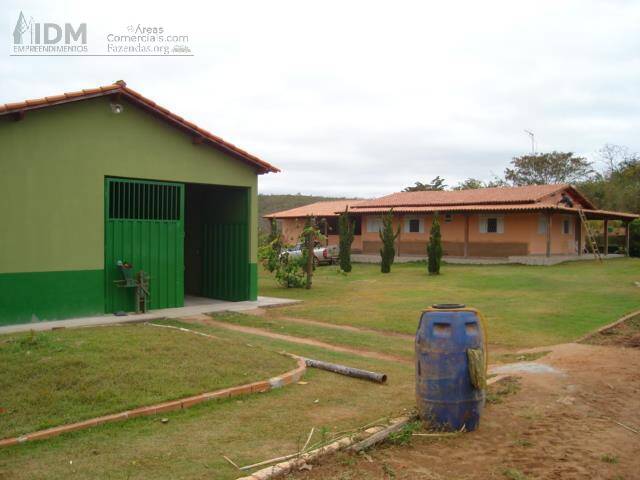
(413, 225)
(374, 224)
(492, 224)
(543, 223)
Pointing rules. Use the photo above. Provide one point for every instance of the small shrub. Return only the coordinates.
(607, 458)
(388, 238)
(405, 434)
(434, 248)
(345, 228)
(514, 474)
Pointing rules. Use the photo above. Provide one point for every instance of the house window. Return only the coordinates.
(448, 217)
(413, 225)
(566, 226)
(492, 224)
(374, 224)
(542, 224)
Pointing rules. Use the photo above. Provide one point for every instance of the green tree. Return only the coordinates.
(346, 228)
(617, 187)
(274, 231)
(436, 184)
(470, 184)
(434, 248)
(634, 238)
(309, 236)
(545, 168)
(388, 237)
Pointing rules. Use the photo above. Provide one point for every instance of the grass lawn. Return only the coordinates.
(373, 341)
(525, 306)
(63, 376)
(247, 429)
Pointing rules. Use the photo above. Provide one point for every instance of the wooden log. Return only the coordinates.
(344, 370)
(382, 434)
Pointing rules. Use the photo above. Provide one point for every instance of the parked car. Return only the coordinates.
(322, 255)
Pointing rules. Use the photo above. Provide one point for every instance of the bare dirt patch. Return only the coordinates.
(558, 425)
(206, 320)
(625, 334)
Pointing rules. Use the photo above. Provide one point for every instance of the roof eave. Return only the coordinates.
(120, 88)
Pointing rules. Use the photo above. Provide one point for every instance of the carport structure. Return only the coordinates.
(98, 176)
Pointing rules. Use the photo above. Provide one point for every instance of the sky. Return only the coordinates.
(363, 98)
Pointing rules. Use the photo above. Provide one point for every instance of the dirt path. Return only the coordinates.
(205, 319)
(272, 315)
(559, 425)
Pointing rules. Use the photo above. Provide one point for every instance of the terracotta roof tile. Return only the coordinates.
(38, 101)
(136, 97)
(505, 207)
(55, 98)
(527, 194)
(318, 209)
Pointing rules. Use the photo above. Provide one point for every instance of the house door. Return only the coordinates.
(144, 226)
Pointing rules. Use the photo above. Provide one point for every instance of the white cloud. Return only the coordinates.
(363, 98)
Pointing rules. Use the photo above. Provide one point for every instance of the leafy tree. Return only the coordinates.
(617, 187)
(434, 248)
(346, 228)
(388, 237)
(309, 236)
(544, 168)
(274, 230)
(634, 238)
(470, 184)
(436, 184)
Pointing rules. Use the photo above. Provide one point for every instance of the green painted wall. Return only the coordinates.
(52, 170)
(52, 178)
(26, 297)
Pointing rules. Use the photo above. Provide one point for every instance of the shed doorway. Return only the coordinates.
(216, 242)
(191, 239)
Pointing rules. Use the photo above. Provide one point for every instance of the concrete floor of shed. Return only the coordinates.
(193, 306)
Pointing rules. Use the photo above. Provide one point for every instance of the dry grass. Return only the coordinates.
(64, 376)
(248, 429)
(525, 306)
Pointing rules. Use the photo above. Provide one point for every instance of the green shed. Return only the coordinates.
(94, 177)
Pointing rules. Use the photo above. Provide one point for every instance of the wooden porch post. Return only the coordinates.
(626, 238)
(326, 231)
(466, 235)
(549, 234)
(606, 236)
(579, 235)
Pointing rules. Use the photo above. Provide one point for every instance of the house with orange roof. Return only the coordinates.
(100, 181)
(499, 223)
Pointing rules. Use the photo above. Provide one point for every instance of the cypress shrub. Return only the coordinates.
(346, 228)
(434, 248)
(388, 237)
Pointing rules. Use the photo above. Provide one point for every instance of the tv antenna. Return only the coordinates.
(533, 141)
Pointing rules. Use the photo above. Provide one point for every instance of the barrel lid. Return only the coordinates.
(447, 306)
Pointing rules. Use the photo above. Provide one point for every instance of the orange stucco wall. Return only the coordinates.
(291, 229)
(520, 235)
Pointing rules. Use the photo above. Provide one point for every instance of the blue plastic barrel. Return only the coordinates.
(445, 396)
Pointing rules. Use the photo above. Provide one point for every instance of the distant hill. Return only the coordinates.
(276, 203)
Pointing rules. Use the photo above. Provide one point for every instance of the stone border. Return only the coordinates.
(287, 378)
(609, 326)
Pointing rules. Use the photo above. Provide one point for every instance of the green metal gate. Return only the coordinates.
(225, 256)
(144, 225)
